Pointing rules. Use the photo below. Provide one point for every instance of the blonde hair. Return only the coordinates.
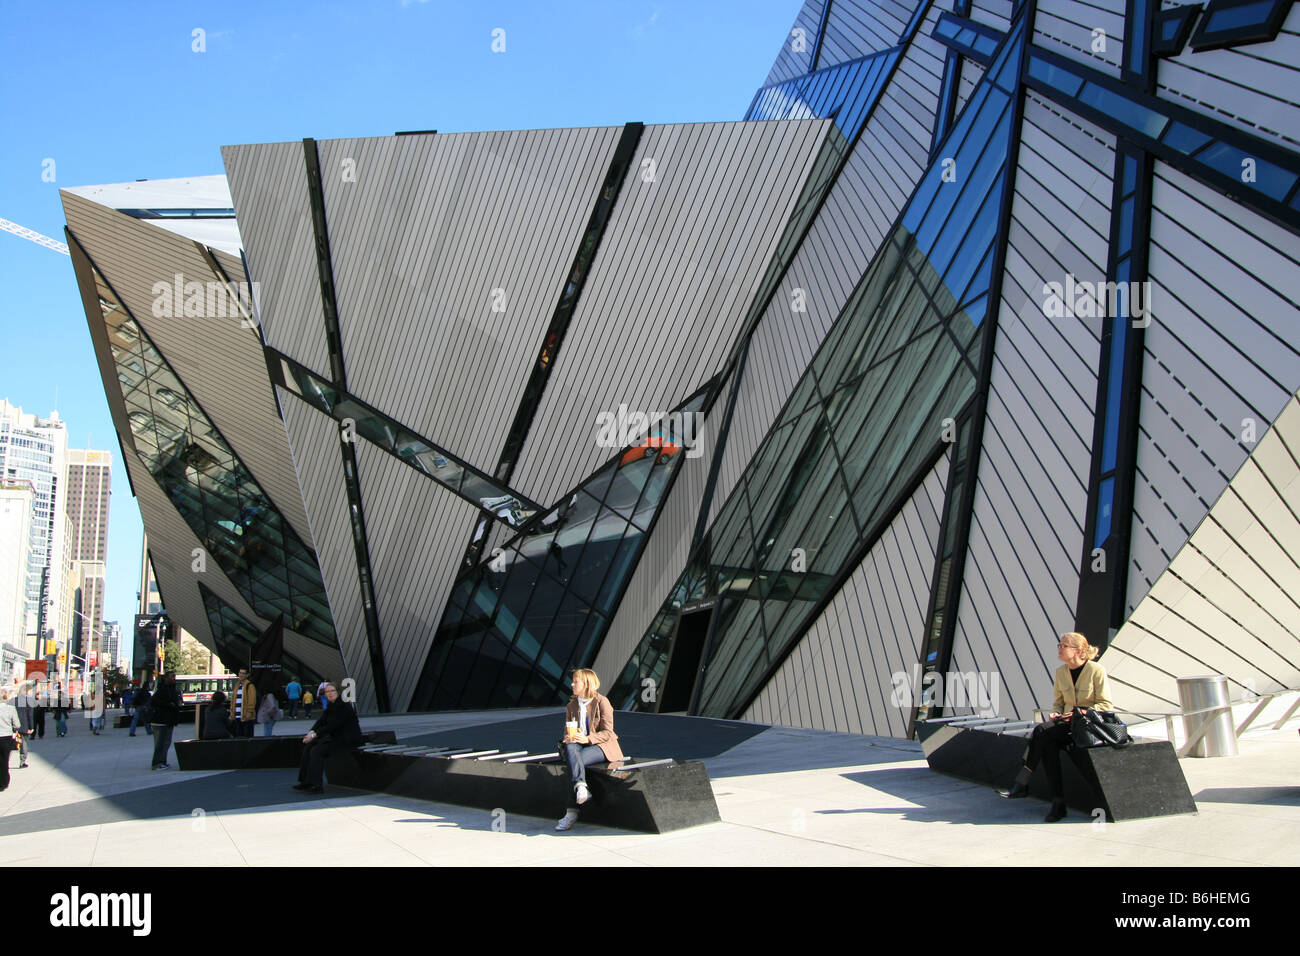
(1089, 652)
(589, 678)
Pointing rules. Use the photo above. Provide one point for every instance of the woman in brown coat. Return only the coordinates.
(591, 740)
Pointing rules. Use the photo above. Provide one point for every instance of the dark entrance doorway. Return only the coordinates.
(684, 660)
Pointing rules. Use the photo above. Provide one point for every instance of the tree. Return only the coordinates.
(116, 681)
(190, 659)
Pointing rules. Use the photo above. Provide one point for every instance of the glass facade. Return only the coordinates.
(210, 487)
(868, 416)
(845, 93)
(541, 604)
(235, 638)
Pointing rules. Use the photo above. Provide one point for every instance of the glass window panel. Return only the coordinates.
(606, 534)
(1233, 18)
(1184, 138)
(1271, 180)
(1140, 118)
(1068, 83)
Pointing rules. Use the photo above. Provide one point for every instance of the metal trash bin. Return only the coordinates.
(1200, 693)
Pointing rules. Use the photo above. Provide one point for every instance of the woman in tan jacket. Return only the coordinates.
(593, 741)
(1080, 682)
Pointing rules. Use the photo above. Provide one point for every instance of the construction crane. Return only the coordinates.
(36, 237)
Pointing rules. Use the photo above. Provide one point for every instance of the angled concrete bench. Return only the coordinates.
(281, 752)
(1128, 783)
(651, 796)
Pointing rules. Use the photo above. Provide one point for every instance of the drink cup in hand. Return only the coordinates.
(570, 730)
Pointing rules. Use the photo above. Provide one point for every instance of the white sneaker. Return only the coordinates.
(567, 821)
(583, 794)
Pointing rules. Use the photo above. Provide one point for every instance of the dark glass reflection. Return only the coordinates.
(235, 638)
(540, 605)
(217, 496)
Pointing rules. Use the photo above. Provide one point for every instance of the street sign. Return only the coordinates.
(92, 658)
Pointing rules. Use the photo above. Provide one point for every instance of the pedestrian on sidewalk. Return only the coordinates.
(268, 712)
(243, 705)
(141, 700)
(165, 714)
(60, 703)
(25, 703)
(10, 732)
(294, 691)
(307, 701)
(41, 693)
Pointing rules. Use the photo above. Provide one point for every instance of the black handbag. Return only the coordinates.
(1097, 728)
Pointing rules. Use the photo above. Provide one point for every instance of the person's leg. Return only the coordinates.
(305, 763)
(22, 750)
(160, 743)
(6, 746)
(269, 725)
(316, 766)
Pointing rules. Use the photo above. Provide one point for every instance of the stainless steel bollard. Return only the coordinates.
(1201, 693)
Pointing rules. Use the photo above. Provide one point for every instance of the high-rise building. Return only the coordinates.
(111, 653)
(17, 499)
(89, 481)
(978, 328)
(35, 449)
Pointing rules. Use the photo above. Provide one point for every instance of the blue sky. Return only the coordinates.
(113, 92)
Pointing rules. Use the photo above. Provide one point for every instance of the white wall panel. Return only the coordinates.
(1220, 355)
(1254, 87)
(421, 240)
(268, 183)
(1068, 27)
(682, 257)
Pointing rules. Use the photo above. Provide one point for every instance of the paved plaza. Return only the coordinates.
(786, 796)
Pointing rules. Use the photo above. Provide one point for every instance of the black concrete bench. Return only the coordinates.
(1128, 783)
(281, 752)
(651, 796)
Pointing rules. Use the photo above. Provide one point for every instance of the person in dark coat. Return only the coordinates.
(164, 715)
(216, 722)
(337, 729)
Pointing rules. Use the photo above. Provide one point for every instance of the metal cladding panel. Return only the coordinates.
(993, 13)
(219, 361)
(686, 247)
(795, 58)
(856, 29)
(450, 254)
(1026, 536)
(314, 439)
(1254, 87)
(1221, 360)
(971, 73)
(663, 560)
(869, 633)
(886, 164)
(1087, 32)
(1227, 604)
(268, 183)
(417, 531)
(171, 550)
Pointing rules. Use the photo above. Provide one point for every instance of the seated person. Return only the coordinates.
(591, 740)
(337, 729)
(1080, 682)
(216, 722)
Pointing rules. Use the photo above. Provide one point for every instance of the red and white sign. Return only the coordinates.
(92, 658)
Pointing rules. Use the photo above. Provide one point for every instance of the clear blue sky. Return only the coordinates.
(114, 92)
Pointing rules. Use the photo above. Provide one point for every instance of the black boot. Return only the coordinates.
(1021, 786)
(1056, 813)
